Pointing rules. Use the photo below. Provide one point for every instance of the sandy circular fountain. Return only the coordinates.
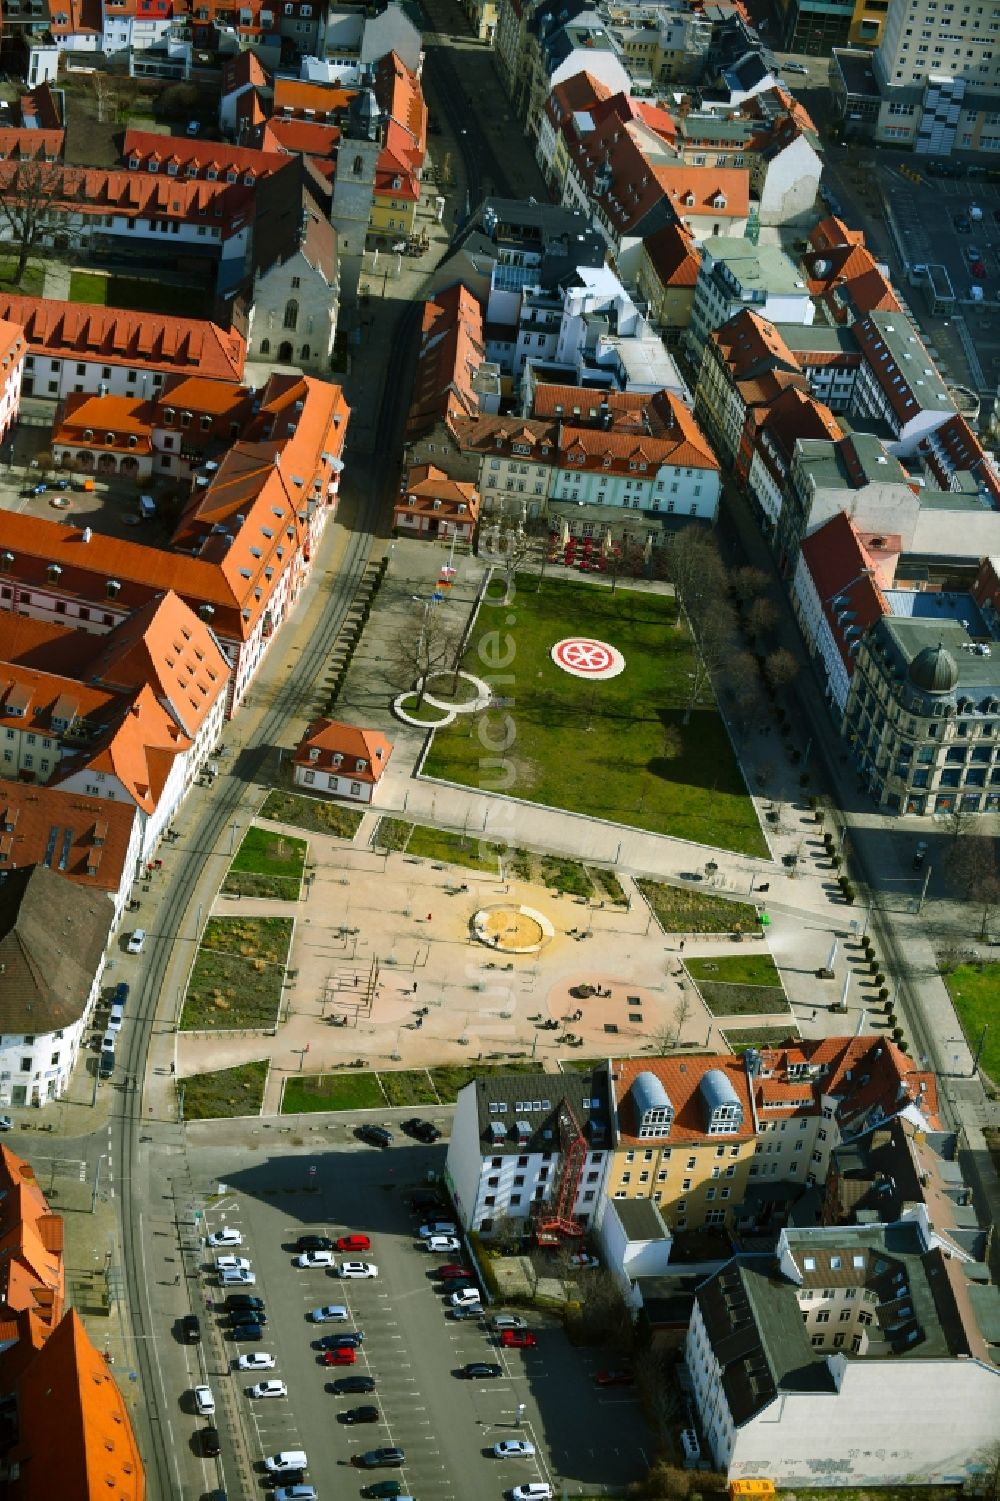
(512, 930)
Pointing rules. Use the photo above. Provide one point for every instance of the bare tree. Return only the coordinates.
(673, 742)
(988, 1466)
(959, 821)
(28, 195)
(696, 571)
(781, 668)
(505, 542)
(749, 583)
(421, 653)
(741, 681)
(971, 866)
(762, 617)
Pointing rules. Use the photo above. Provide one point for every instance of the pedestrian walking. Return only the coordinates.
(680, 946)
(414, 987)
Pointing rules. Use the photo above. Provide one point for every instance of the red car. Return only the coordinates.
(345, 1355)
(454, 1271)
(518, 1339)
(615, 1378)
(353, 1243)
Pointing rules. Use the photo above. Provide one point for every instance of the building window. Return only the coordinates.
(291, 313)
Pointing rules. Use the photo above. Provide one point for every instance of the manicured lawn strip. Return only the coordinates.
(580, 1065)
(738, 1040)
(408, 1087)
(228, 1092)
(311, 814)
(137, 293)
(975, 991)
(743, 1000)
(680, 910)
(250, 937)
(304, 1093)
(87, 286)
(271, 854)
(455, 849)
(426, 714)
(449, 1078)
(736, 969)
(391, 834)
(32, 283)
(600, 747)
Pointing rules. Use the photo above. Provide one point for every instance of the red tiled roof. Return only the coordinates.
(428, 491)
(25, 144)
(99, 830)
(148, 341)
(953, 447)
(186, 153)
(675, 256)
(681, 1078)
(97, 191)
(451, 352)
(845, 577)
(364, 753)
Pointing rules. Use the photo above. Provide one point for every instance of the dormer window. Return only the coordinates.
(152, 165)
(337, 758)
(361, 765)
(314, 753)
(133, 162)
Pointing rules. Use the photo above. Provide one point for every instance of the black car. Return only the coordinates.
(360, 1415)
(244, 1300)
(388, 1454)
(483, 1368)
(375, 1136)
(248, 1316)
(349, 1385)
(425, 1131)
(191, 1328)
(210, 1446)
(286, 1477)
(338, 1341)
(314, 1243)
(425, 1201)
(245, 1332)
(453, 1285)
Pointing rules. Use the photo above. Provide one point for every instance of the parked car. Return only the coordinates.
(615, 1376)
(343, 1355)
(227, 1236)
(268, 1389)
(472, 1311)
(248, 1316)
(107, 1064)
(314, 1243)
(256, 1361)
(6, 1123)
(232, 1264)
(357, 1269)
(375, 1136)
(137, 941)
(785, 68)
(978, 268)
(245, 1300)
(481, 1370)
(301, 1491)
(425, 1131)
(354, 1243)
(372, 1459)
(536, 1490)
(193, 127)
(518, 1339)
(286, 1459)
(360, 1415)
(191, 1328)
(426, 1202)
(464, 1297)
(204, 1401)
(237, 1277)
(351, 1385)
(210, 1446)
(351, 1338)
(382, 1490)
(442, 1245)
(514, 1448)
(583, 1258)
(245, 1332)
(500, 1321)
(453, 1269)
(120, 997)
(330, 1313)
(315, 1259)
(962, 224)
(437, 1227)
(454, 1285)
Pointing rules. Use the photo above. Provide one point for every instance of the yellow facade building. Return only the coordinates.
(684, 1136)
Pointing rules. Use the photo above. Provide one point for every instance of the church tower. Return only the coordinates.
(354, 187)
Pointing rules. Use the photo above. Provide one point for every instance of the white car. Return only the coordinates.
(268, 1389)
(204, 1401)
(286, 1459)
(437, 1227)
(357, 1269)
(583, 1258)
(238, 1278)
(136, 941)
(435, 1243)
(232, 1264)
(465, 1297)
(514, 1448)
(255, 1361)
(316, 1258)
(227, 1236)
(535, 1490)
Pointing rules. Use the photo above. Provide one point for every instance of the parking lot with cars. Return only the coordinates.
(398, 1382)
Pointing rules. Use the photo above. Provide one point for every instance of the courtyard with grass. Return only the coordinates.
(238, 974)
(739, 985)
(975, 991)
(680, 909)
(437, 844)
(223, 1094)
(311, 814)
(267, 864)
(617, 749)
(137, 294)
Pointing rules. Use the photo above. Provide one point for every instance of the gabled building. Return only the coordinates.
(431, 504)
(804, 1358)
(452, 350)
(735, 274)
(53, 937)
(666, 276)
(341, 759)
(898, 383)
(296, 299)
(88, 840)
(768, 451)
(530, 1148)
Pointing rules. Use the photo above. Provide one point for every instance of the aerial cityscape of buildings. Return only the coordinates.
(476, 479)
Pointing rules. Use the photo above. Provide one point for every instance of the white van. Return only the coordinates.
(286, 1459)
(117, 1017)
(147, 507)
(109, 1040)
